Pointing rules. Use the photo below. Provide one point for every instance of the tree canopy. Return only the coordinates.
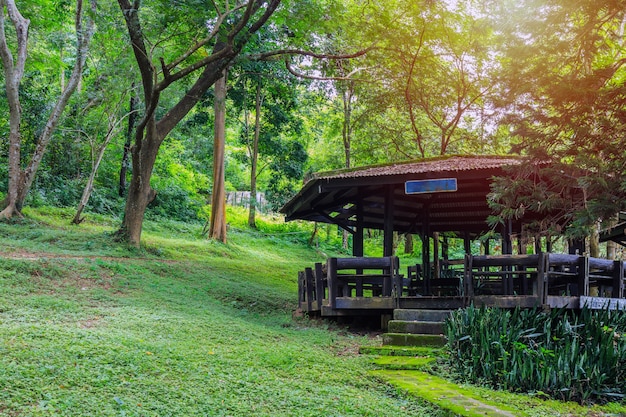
(311, 86)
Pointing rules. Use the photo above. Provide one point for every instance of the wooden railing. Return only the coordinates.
(513, 277)
(359, 277)
(543, 275)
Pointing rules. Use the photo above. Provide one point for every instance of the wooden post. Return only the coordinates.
(331, 270)
(618, 279)
(542, 267)
(467, 244)
(436, 262)
(576, 246)
(388, 223)
(538, 248)
(387, 278)
(507, 245)
(468, 279)
(507, 249)
(301, 296)
(308, 276)
(357, 237)
(426, 261)
(319, 285)
(583, 276)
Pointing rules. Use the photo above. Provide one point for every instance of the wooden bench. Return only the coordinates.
(504, 274)
(418, 284)
(362, 276)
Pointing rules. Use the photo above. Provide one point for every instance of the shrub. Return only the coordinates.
(172, 201)
(566, 355)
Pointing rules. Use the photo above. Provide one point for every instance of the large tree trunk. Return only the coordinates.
(150, 133)
(140, 193)
(217, 228)
(254, 157)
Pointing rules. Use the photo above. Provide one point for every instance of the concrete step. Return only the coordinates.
(410, 351)
(415, 327)
(420, 315)
(407, 339)
(403, 362)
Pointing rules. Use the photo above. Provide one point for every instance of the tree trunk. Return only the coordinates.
(150, 133)
(254, 157)
(217, 229)
(132, 121)
(408, 243)
(346, 133)
(21, 181)
(140, 193)
(13, 73)
(112, 129)
(594, 242)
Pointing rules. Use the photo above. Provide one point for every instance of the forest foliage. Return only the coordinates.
(311, 86)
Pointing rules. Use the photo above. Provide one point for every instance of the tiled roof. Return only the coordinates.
(442, 164)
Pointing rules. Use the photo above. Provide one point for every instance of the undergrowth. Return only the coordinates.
(565, 355)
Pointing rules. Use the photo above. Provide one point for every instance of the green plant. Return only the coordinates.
(568, 356)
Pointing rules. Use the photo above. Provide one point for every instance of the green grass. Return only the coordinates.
(183, 327)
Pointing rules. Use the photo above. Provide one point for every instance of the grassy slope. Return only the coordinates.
(184, 327)
(187, 327)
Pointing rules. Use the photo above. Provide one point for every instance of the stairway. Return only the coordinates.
(416, 328)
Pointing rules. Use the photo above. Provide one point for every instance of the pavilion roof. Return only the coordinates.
(338, 196)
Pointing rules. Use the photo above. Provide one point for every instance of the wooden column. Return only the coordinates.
(426, 258)
(487, 247)
(333, 287)
(618, 279)
(576, 246)
(436, 261)
(467, 243)
(388, 223)
(507, 249)
(507, 245)
(357, 237)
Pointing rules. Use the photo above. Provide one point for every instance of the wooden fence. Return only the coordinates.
(545, 279)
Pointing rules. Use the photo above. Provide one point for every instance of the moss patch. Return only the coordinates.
(399, 350)
(403, 362)
(445, 394)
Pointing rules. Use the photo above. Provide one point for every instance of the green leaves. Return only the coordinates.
(578, 357)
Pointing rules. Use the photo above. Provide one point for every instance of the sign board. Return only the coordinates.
(440, 185)
(601, 303)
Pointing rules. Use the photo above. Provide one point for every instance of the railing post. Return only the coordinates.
(300, 288)
(319, 285)
(618, 279)
(308, 277)
(396, 280)
(583, 276)
(542, 282)
(331, 270)
(468, 284)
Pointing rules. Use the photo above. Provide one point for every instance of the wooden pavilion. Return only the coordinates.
(446, 194)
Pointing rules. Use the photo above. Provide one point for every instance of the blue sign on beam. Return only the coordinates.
(440, 185)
